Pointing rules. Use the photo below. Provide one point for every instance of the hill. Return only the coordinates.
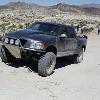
(92, 9)
(76, 9)
(91, 5)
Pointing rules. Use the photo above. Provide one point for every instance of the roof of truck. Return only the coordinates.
(51, 23)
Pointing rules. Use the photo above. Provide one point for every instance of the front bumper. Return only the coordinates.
(20, 52)
(14, 50)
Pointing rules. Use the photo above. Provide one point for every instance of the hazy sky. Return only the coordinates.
(51, 2)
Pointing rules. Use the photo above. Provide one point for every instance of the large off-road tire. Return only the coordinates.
(46, 64)
(6, 56)
(79, 57)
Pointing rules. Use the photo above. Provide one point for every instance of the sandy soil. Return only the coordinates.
(69, 81)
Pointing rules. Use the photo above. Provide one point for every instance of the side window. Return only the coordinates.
(55, 31)
(71, 32)
(63, 30)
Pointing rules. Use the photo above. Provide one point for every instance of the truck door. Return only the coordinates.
(71, 41)
(61, 41)
(66, 41)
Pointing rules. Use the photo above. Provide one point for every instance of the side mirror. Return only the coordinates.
(84, 36)
(63, 36)
(53, 33)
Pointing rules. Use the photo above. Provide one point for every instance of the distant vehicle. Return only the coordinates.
(43, 42)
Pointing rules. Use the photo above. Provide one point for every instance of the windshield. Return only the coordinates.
(45, 27)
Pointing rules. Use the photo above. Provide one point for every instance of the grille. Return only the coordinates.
(23, 42)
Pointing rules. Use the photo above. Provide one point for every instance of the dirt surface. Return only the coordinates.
(68, 82)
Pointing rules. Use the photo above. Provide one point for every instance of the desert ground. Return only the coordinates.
(68, 82)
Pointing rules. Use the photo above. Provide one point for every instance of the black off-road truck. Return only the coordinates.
(43, 42)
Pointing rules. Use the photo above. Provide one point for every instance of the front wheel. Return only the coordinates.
(46, 64)
(79, 58)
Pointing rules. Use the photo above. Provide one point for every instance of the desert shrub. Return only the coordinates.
(4, 24)
(11, 28)
(19, 26)
(91, 29)
(1, 34)
(88, 29)
(0, 37)
(3, 29)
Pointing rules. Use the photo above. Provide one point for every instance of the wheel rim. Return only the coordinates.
(80, 56)
(51, 65)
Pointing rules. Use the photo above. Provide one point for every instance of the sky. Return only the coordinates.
(52, 2)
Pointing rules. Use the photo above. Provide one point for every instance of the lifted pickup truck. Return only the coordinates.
(43, 42)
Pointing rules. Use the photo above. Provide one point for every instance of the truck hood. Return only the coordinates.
(29, 34)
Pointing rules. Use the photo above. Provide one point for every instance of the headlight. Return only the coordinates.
(11, 41)
(17, 42)
(37, 45)
(6, 40)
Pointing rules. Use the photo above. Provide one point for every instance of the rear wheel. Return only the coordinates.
(46, 64)
(79, 58)
(6, 56)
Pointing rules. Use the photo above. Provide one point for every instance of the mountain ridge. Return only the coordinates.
(62, 7)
